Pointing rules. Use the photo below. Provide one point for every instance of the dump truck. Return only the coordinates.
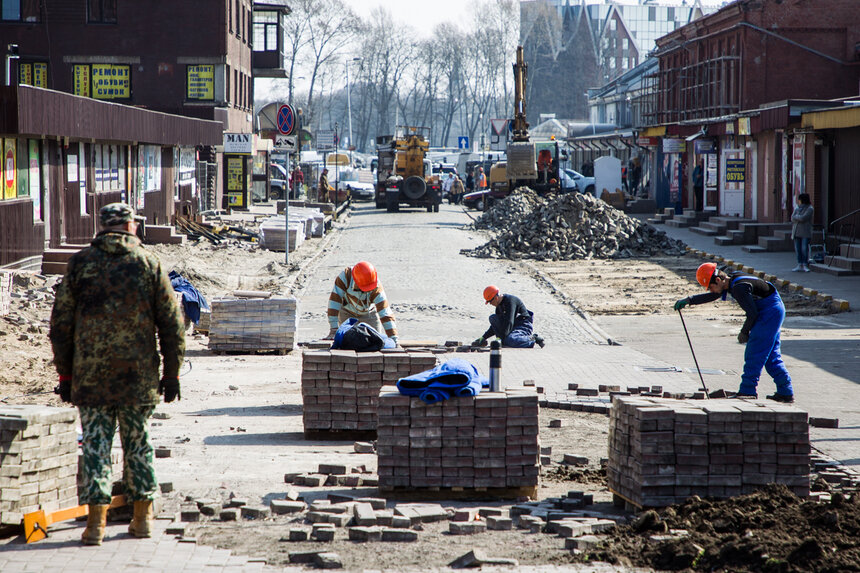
(529, 164)
(404, 174)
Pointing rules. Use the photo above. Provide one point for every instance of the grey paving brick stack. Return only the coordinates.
(663, 451)
(38, 460)
(340, 388)
(485, 441)
(253, 324)
(5, 292)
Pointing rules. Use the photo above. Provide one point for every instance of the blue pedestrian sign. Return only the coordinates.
(463, 142)
(286, 119)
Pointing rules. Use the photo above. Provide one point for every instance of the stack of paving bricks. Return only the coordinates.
(340, 388)
(664, 451)
(5, 292)
(253, 324)
(38, 461)
(485, 441)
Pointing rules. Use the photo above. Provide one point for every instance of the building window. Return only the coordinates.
(227, 84)
(236, 100)
(265, 31)
(200, 85)
(670, 14)
(102, 81)
(33, 74)
(652, 13)
(101, 11)
(230, 15)
(19, 10)
(238, 19)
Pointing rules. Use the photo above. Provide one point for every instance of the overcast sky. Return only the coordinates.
(423, 15)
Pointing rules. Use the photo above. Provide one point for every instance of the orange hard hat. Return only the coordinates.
(705, 273)
(490, 293)
(364, 276)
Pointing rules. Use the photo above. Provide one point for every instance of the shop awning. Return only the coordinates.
(833, 118)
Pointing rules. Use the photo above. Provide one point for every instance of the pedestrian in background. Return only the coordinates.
(457, 191)
(358, 294)
(325, 190)
(297, 181)
(481, 180)
(470, 181)
(114, 299)
(699, 185)
(446, 186)
(760, 331)
(801, 231)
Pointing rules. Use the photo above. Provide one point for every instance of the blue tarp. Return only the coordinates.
(456, 377)
(192, 300)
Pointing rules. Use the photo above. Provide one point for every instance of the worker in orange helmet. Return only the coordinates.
(761, 330)
(512, 322)
(358, 294)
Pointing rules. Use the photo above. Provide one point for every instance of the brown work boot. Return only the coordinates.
(141, 523)
(96, 522)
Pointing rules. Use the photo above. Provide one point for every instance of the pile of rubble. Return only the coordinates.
(565, 227)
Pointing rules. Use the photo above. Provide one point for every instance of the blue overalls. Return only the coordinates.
(763, 345)
(522, 334)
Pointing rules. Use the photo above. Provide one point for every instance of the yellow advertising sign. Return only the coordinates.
(111, 81)
(40, 75)
(81, 80)
(25, 73)
(10, 181)
(234, 173)
(201, 82)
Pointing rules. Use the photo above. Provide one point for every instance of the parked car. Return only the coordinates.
(349, 181)
(476, 199)
(583, 184)
(278, 181)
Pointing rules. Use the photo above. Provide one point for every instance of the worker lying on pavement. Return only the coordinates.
(358, 294)
(760, 332)
(512, 322)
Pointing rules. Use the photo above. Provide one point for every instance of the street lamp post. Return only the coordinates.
(349, 102)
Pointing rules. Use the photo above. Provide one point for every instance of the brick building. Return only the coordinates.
(730, 92)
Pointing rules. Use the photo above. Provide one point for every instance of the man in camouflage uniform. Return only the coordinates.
(113, 300)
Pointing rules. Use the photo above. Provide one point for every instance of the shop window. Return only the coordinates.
(19, 10)
(200, 84)
(101, 11)
(102, 81)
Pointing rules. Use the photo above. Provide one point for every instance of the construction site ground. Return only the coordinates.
(238, 428)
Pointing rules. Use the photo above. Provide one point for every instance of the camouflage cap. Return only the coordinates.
(115, 214)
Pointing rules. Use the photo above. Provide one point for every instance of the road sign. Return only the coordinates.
(286, 142)
(325, 140)
(499, 126)
(286, 119)
(463, 142)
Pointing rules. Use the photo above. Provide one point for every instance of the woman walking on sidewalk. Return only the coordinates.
(760, 332)
(801, 231)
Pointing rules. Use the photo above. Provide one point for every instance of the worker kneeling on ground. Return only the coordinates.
(358, 294)
(114, 309)
(760, 332)
(512, 322)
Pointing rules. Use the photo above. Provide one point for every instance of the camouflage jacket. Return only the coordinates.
(113, 300)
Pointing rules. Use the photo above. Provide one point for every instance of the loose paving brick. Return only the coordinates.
(364, 514)
(390, 534)
(282, 507)
(255, 512)
(328, 560)
(361, 533)
(230, 514)
(297, 534)
(322, 532)
(498, 523)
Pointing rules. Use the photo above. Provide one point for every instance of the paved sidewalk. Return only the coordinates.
(778, 263)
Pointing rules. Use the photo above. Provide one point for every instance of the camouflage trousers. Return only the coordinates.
(99, 425)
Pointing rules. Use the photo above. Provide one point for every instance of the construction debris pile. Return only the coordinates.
(566, 227)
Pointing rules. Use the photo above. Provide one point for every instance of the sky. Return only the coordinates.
(423, 15)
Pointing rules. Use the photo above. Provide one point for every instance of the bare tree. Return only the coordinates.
(296, 38)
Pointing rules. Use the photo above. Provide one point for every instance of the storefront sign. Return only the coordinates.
(111, 81)
(201, 82)
(10, 180)
(736, 170)
(81, 80)
(239, 143)
(797, 164)
(648, 141)
(705, 146)
(234, 173)
(730, 128)
(744, 126)
(674, 146)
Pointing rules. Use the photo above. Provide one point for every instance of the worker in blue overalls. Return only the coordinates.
(512, 322)
(760, 332)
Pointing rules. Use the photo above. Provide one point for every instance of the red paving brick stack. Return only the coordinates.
(663, 451)
(340, 388)
(485, 441)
